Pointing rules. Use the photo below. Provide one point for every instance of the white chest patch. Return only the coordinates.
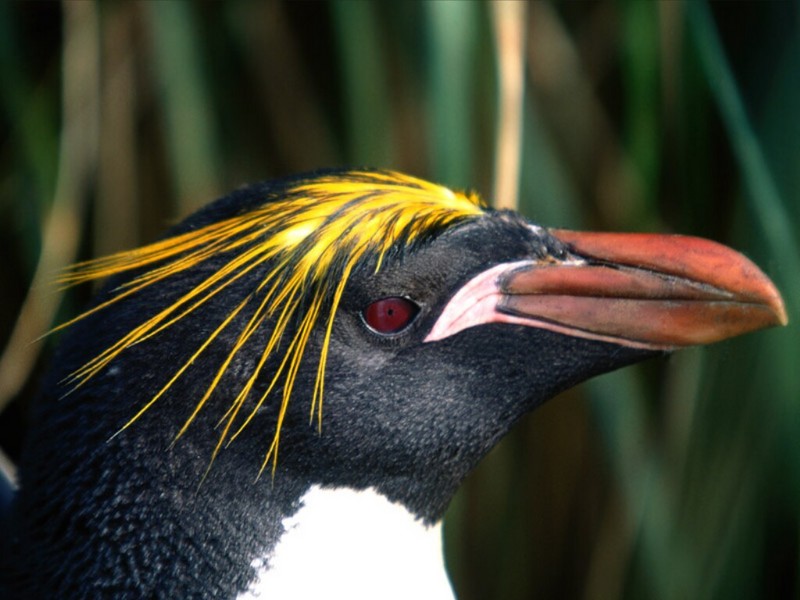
(352, 545)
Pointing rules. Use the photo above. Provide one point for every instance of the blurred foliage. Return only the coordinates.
(676, 479)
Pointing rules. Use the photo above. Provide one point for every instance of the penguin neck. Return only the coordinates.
(351, 543)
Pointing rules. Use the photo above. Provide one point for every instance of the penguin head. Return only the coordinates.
(369, 329)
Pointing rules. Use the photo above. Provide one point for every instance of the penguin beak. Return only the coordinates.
(647, 291)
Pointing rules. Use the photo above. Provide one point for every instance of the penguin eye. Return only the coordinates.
(390, 315)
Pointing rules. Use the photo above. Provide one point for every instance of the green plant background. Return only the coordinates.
(676, 479)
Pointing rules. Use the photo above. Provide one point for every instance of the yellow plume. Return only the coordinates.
(309, 239)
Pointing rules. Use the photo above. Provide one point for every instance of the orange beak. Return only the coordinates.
(646, 290)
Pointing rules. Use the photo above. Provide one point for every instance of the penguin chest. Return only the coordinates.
(344, 543)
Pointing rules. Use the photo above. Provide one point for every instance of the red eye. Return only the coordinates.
(390, 315)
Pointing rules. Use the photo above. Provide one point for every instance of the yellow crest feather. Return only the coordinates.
(311, 238)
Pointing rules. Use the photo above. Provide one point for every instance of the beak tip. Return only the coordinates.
(767, 295)
(782, 319)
